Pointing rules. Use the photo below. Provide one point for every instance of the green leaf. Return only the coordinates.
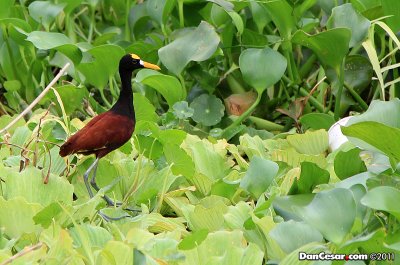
(6, 9)
(252, 146)
(285, 206)
(384, 138)
(259, 176)
(17, 28)
(371, 242)
(317, 121)
(260, 16)
(253, 62)
(392, 9)
(87, 235)
(310, 143)
(209, 214)
(292, 235)
(330, 46)
(358, 72)
(159, 10)
(70, 5)
(182, 163)
(100, 63)
(311, 175)
(182, 110)
(345, 16)
(293, 158)
(53, 40)
(228, 7)
(282, 15)
(44, 12)
(193, 240)
(196, 45)
(117, 251)
(29, 185)
(149, 146)
(349, 163)
(224, 247)
(386, 112)
(16, 216)
(207, 161)
(46, 216)
(144, 110)
(6, 119)
(71, 96)
(383, 198)
(208, 110)
(12, 85)
(331, 212)
(168, 86)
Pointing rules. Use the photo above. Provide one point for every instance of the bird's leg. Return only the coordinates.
(86, 176)
(96, 187)
(109, 218)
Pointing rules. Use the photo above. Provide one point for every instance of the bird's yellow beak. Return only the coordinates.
(149, 65)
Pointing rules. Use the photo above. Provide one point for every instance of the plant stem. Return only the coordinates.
(339, 83)
(306, 67)
(182, 81)
(127, 28)
(313, 101)
(181, 15)
(357, 97)
(235, 86)
(266, 124)
(91, 26)
(103, 97)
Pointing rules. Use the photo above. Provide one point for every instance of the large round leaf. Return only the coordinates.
(282, 15)
(386, 112)
(384, 198)
(45, 12)
(98, 70)
(345, 16)
(197, 45)
(259, 176)
(29, 185)
(292, 235)
(17, 29)
(168, 86)
(159, 10)
(261, 68)
(331, 212)
(382, 137)
(60, 42)
(208, 109)
(330, 46)
(357, 72)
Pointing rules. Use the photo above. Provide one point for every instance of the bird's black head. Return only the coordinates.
(131, 62)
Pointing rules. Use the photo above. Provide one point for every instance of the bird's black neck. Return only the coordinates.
(124, 104)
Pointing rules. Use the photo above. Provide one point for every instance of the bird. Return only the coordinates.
(111, 129)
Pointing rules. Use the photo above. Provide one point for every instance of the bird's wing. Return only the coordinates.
(106, 131)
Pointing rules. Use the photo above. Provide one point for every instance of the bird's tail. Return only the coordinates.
(65, 149)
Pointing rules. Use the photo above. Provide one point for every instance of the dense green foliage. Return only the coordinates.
(230, 161)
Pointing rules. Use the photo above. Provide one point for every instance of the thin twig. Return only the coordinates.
(15, 145)
(22, 253)
(36, 101)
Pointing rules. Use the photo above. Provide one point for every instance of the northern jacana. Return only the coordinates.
(109, 130)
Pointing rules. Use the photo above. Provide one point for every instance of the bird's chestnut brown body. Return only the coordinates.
(103, 134)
